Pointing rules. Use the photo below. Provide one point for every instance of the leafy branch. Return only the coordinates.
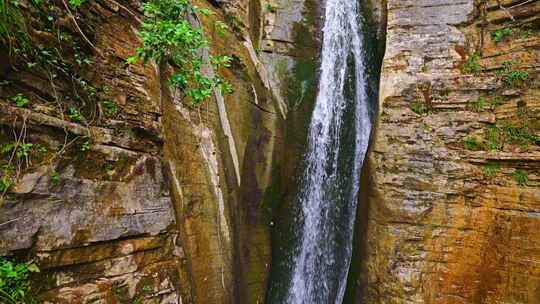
(169, 35)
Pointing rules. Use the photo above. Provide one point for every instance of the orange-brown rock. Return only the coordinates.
(451, 220)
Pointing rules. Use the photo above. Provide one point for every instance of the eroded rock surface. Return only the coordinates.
(453, 209)
(129, 194)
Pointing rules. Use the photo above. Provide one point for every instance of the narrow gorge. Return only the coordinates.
(270, 151)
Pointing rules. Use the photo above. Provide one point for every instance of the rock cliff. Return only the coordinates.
(453, 174)
(126, 193)
(122, 192)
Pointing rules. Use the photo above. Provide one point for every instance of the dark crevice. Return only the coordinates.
(374, 29)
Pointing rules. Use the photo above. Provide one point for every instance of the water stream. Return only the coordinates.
(317, 263)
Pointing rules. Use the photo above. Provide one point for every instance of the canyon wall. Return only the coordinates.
(127, 193)
(453, 175)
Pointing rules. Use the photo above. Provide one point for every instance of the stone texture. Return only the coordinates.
(441, 230)
(163, 202)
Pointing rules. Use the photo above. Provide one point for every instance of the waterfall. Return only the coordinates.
(337, 143)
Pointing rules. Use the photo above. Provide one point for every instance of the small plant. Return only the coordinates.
(516, 78)
(472, 143)
(500, 34)
(20, 150)
(494, 138)
(15, 286)
(55, 178)
(110, 107)
(490, 170)
(520, 134)
(471, 66)
(419, 107)
(76, 3)
(521, 178)
(82, 60)
(74, 115)
(513, 77)
(5, 182)
(271, 8)
(478, 105)
(221, 28)
(20, 100)
(495, 101)
(502, 133)
(86, 146)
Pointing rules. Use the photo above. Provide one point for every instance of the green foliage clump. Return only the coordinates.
(6, 180)
(419, 108)
(500, 34)
(55, 178)
(471, 66)
(221, 28)
(478, 105)
(513, 77)
(19, 150)
(472, 143)
(110, 108)
(490, 170)
(75, 115)
(507, 133)
(169, 35)
(270, 8)
(15, 286)
(521, 177)
(76, 3)
(20, 100)
(516, 78)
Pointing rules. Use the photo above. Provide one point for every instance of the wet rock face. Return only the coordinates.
(453, 211)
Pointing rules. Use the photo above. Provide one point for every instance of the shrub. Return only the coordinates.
(14, 281)
(76, 3)
(168, 35)
(75, 115)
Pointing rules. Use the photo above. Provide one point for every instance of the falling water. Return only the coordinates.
(338, 139)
